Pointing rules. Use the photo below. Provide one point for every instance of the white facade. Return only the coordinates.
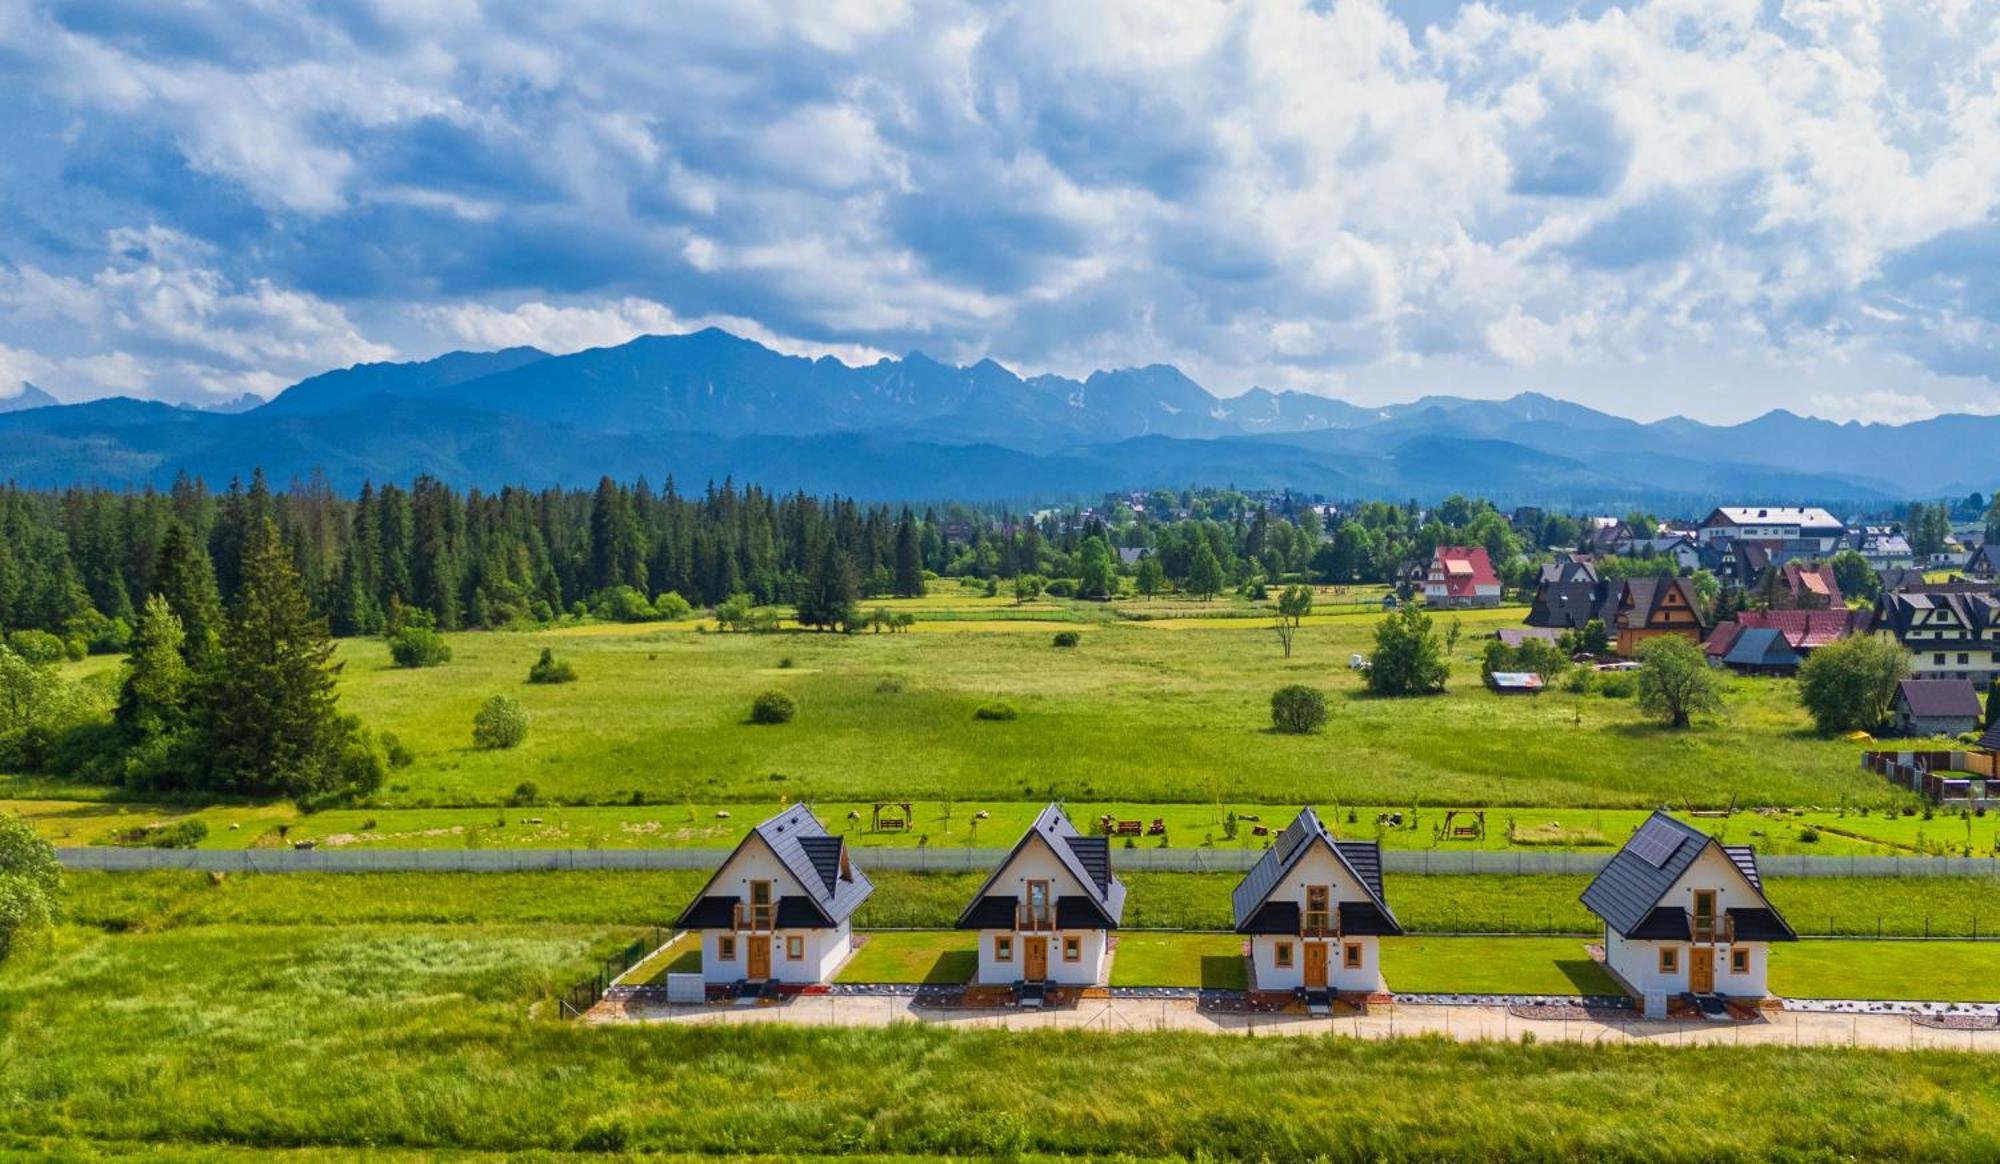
(1667, 967)
(1768, 523)
(1280, 962)
(1075, 957)
(798, 956)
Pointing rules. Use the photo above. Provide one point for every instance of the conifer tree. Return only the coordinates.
(186, 579)
(909, 558)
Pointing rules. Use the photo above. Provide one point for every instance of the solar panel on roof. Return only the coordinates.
(1656, 842)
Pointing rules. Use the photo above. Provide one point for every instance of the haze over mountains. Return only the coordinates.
(708, 404)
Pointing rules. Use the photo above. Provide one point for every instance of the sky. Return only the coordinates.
(1709, 209)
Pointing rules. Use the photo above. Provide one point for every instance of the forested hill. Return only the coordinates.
(80, 563)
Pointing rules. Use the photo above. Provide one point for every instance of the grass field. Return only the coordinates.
(151, 902)
(1137, 714)
(921, 956)
(1493, 965)
(1945, 971)
(269, 1040)
(1210, 961)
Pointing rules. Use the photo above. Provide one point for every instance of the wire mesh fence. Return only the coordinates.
(578, 999)
(1145, 858)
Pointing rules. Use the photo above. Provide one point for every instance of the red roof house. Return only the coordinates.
(1461, 576)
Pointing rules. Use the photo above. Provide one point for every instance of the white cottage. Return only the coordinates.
(1314, 911)
(1685, 914)
(777, 910)
(1046, 914)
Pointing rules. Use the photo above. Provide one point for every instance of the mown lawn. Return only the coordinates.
(1137, 714)
(930, 957)
(1493, 966)
(1210, 961)
(1943, 971)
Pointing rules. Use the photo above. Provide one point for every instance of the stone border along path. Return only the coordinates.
(1464, 1022)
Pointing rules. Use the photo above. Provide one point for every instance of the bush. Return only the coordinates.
(623, 604)
(398, 754)
(500, 724)
(995, 711)
(1409, 656)
(773, 707)
(549, 669)
(39, 648)
(418, 646)
(525, 794)
(1617, 685)
(1067, 638)
(184, 834)
(1297, 709)
(672, 607)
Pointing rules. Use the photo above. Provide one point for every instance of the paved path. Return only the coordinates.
(1465, 1023)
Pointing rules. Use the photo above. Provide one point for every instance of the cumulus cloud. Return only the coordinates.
(1277, 192)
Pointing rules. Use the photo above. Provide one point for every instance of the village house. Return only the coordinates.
(1936, 707)
(1678, 547)
(1799, 631)
(1045, 916)
(777, 911)
(1775, 524)
(1461, 576)
(1882, 547)
(1314, 912)
(1684, 914)
(1632, 611)
(1951, 630)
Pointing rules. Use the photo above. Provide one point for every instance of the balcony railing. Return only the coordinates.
(1318, 923)
(1030, 918)
(1712, 931)
(756, 918)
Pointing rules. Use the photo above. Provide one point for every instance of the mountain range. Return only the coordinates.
(708, 404)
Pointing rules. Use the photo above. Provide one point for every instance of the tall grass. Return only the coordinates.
(389, 1037)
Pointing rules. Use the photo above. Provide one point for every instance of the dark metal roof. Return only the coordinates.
(1273, 917)
(709, 913)
(1081, 913)
(989, 913)
(1665, 924)
(834, 886)
(801, 913)
(1364, 918)
(1760, 925)
(1939, 698)
(1363, 859)
(1991, 740)
(1627, 892)
(1761, 647)
(1088, 859)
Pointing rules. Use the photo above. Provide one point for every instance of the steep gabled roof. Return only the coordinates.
(834, 887)
(1761, 646)
(1627, 891)
(1362, 860)
(1939, 698)
(1088, 859)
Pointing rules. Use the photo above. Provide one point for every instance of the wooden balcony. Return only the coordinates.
(1711, 931)
(756, 918)
(1317, 923)
(1029, 919)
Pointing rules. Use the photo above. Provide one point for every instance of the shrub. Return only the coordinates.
(37, 647)
(1409, 655)
(1067, 639)
(773, 707)
(499, 724)
(1809, 835)
(525, 794)
(623, 604)
(889, 687)
(182, 834)
(1617, 685)
(549, 669)
(397, 752)
(1297, 709)
(995, 711)
(672, 607)
(418, 646)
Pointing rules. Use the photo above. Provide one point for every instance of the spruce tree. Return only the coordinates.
(153, 700)
(909, 559)
(269, 723)
(186, 579)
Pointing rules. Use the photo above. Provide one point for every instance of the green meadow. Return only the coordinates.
(1169, 707)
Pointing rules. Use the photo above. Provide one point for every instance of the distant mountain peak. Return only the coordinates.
(28, 397)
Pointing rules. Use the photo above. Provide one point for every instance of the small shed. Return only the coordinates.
(1515, 683)
(1936, 707)
(1761, 650)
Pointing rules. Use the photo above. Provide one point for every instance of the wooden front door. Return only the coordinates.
(1316, 964)
(1035, 952)
(1701, 970)
(760, 957)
